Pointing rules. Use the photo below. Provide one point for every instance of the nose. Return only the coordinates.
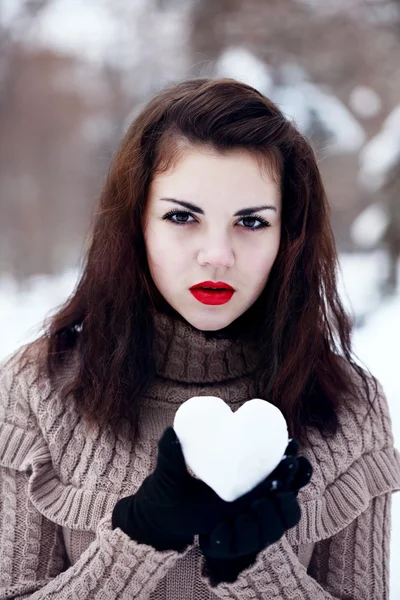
(216, 253)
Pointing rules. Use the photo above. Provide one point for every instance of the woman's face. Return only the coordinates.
(208, 242)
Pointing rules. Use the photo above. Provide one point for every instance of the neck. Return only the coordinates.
(244, 327)
(187, 354)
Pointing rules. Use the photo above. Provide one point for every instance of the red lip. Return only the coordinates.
(213, 284)
(212, 296)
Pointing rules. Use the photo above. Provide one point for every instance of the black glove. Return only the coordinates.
(171, 506)
(235, 543)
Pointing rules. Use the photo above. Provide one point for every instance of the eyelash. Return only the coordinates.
(176, 211)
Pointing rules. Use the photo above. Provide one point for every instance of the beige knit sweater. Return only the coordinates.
(58, 486)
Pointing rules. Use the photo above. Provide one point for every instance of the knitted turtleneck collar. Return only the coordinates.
(185, 354)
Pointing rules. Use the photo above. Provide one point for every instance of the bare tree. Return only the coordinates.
(390, 194)
(28, 12)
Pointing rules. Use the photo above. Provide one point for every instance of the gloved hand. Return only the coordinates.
(171, 506)
(235, 543)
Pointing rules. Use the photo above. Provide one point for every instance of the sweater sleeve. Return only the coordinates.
(355, 562)
(33, 558)
(351, 565)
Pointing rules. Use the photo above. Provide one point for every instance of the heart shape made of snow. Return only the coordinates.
(232, 452)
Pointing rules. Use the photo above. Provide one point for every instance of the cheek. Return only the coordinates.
(155, 243)
(152, 243)
(261, 262)
(264, 255)
(164, 252)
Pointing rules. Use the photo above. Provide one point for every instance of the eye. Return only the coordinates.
(179, 213)
(182, 213)
(263, 222)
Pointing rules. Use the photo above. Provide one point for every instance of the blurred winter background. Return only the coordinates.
(73, 74)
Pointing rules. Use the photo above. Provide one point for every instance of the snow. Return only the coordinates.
(376, 340)
(370, 225)
(120, 34)
(365, 102)
(299, 99)
(86, 28)
(346, 133)
(22, 311)
(238, 455)
(9, 11)
(240, 63)
(359, 279)
(381, 152)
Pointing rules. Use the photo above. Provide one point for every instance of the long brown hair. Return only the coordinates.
(304, 331)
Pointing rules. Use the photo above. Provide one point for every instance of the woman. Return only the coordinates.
(211, 186)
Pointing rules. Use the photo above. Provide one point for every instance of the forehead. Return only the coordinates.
(206, 172)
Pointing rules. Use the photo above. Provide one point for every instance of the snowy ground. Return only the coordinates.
(376, 339)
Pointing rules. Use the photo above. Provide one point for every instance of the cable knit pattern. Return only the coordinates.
(59, 484)
(213, 361)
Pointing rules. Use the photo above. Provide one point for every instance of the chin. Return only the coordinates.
(207, 323)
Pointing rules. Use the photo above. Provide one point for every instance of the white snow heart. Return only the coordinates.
(232, 452)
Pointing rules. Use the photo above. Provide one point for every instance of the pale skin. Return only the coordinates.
(215, 246)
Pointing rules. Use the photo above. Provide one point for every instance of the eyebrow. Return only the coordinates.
(240, 213)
